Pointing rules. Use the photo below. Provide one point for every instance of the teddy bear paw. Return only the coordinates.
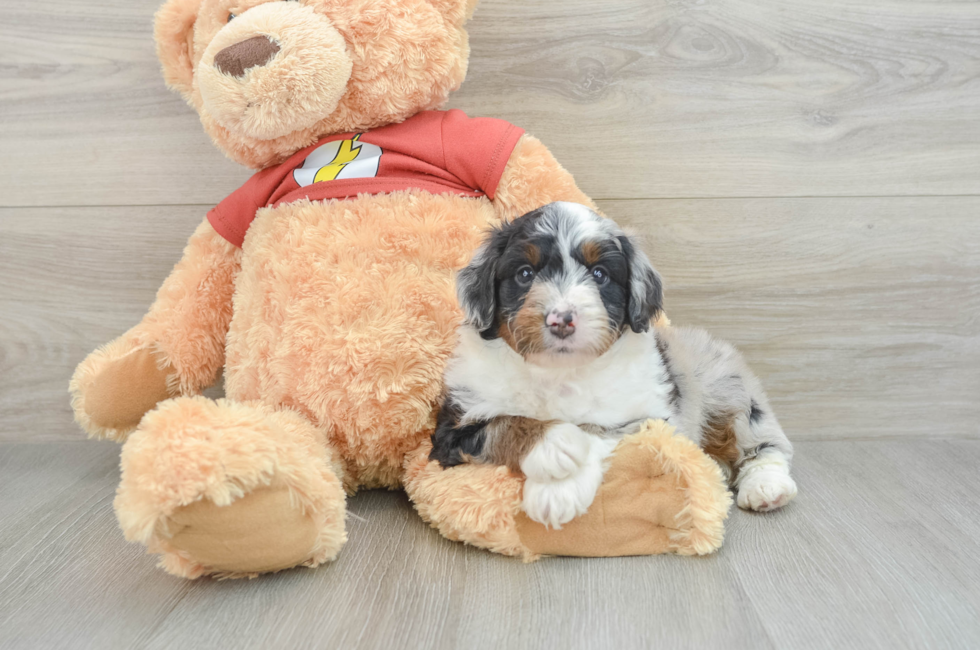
(263, 531)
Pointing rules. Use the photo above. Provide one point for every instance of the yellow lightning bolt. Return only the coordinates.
(346, 154)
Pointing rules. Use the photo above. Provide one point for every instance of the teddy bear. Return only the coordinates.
(323, 289)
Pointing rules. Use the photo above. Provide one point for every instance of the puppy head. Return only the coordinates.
(560, 285)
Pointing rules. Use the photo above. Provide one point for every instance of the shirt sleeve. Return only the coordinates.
(232, 217)
(477, 149)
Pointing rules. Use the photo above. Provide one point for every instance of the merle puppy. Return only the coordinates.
(559, 357)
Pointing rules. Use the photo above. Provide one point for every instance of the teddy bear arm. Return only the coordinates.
(177, 348)
(532, 178)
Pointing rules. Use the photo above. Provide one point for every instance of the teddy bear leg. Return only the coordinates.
(230, 489)
(661, 494)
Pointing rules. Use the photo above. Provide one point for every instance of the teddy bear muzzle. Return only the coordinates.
(236, 59)
(277, 68)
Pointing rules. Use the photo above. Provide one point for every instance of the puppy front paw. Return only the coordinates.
(766, 490)
(556, 502)
(551, 504)
(562, 452)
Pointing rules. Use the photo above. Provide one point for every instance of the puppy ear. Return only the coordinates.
(476, 285)
(173, 30)
(646, 291)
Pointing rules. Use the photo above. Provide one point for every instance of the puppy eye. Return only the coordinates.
(600, 275)
(525, 275)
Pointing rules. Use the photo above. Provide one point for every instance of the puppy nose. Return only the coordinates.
(561, 323)
(236, 59)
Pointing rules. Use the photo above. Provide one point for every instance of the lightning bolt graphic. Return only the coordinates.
(347, 153)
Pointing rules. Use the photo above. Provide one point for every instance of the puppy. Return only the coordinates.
(558, 359)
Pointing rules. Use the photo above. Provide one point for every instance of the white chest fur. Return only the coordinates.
(628, 382)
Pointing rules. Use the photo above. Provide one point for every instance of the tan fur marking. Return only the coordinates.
(524, 332)
(507, 335)
(719, 442)
(510, 439)
(529, 329)
(533, 254)
(591, 252)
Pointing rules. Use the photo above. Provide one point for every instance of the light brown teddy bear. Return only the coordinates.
(324, 288)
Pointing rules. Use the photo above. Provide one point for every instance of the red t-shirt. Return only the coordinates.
(436, 151)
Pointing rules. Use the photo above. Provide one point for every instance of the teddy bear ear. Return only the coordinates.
(173, 31)
(457, 11)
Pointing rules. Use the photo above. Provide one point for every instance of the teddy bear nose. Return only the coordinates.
(236, 59)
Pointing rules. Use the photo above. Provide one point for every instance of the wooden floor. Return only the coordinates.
(879, 551)
(806, 176)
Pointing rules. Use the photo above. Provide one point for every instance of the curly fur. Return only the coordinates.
(476, 504)
(371, 320)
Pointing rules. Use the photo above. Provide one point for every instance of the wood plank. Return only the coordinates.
(87, 119)
(73, 280)
(638, 99)
(67, 577)
(862, 316)
(879, 551)
(691, 98)
(33, 475)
